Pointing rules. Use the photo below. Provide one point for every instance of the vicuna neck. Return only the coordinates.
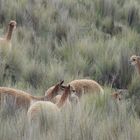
(52, 94)
(9, 33)
(138, 66)
(37, 98)
(63, 98)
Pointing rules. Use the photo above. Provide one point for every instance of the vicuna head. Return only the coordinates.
(135, 61)
(12, 24)
(116, 96)
(120, 94)
(53, 91)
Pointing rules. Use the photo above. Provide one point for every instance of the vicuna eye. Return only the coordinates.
(134, 59)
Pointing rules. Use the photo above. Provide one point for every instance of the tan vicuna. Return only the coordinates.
(47, 109)
(135, 61)
(6, 41)
(72, 98)
(20, 99)
(83, 86)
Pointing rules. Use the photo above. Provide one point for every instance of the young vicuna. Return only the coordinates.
(20, 99)
(83, 86)
(73, 98)
(6, 41)
(46, 109)
(135, 61)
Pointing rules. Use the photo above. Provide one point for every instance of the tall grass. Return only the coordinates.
(70, 39)
(100, 118)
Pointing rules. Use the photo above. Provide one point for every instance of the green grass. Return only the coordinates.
(70, 39)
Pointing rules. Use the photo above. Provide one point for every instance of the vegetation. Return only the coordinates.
(70, 39)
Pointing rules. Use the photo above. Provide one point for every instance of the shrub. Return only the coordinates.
(35, 75)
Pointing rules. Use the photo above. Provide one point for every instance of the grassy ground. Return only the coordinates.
(99, 119)
(70, 39)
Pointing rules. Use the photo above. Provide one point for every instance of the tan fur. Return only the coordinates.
(20, 98)
(56, 99)
(72, 100)
(5, 42)
(40, 107)
(17, 97)
(59, 90)
(119, 94)
(49, 90)
(43, 115)
(135, 61)
(83, 86)
(116, 96)
(64, 97)
(36, 110)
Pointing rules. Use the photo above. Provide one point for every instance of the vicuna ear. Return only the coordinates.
(61, 82)
(63, 87)
(56, 87)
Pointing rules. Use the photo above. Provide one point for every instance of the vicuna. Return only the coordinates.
(84, 86)
(47, 109)
(6, 41)
(135, 61)
(20, 99)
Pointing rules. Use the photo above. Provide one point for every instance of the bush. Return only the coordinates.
(35, 75)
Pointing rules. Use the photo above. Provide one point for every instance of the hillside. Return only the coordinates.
(73, 39)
